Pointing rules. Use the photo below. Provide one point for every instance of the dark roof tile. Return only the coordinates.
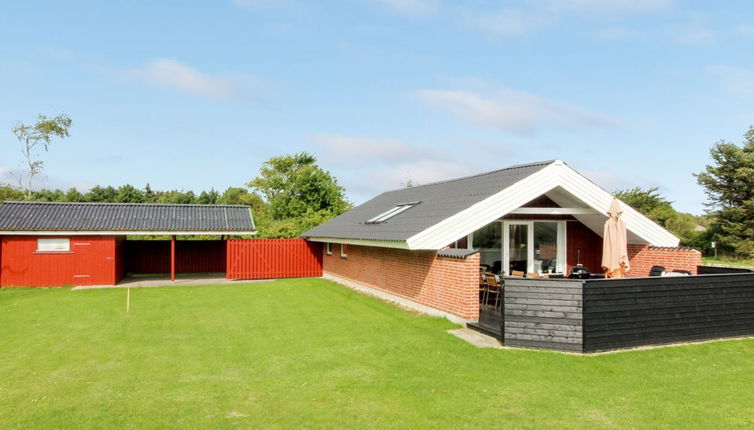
(438, 201)
(54, 216)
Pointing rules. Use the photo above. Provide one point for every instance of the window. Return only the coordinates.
(534, 246)
(53, 245)
(343, 250)
(328, 248)
(391, 213)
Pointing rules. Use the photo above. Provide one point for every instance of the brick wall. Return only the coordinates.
(643, 257)
(447, 284)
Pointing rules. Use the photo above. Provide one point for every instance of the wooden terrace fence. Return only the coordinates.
(273, 258)
(596, 315)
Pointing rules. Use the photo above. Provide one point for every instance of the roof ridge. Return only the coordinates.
(121, 204)
(445, 181)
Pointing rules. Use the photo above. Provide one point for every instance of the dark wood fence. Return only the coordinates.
(273, 258)
(645, 311)
(717, 270)
(596, 315)
(541, 313)
(191, 256)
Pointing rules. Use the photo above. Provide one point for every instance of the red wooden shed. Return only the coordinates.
(53, 244)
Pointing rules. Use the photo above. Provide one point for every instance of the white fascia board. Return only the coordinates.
(552, 211)
(511, 198)
(486, 211)
(600, 200)
(125, 233)
(363, 242)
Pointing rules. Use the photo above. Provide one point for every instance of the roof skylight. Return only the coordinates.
(391, 213)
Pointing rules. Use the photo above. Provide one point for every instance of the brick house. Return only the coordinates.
(423, 246)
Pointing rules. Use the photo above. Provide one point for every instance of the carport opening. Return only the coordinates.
(151, 259)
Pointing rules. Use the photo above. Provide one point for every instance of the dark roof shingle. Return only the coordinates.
(438, 201)
(125, 217)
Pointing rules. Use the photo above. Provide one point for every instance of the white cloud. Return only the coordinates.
(172, 74)
(421, 172)
(611, 5)
(9, 176)
(410, 7)
(694, 33)
(507, 22)
(266, 4)
(746, 29)
(618, 33)
(344, 149)
(694, 37)
(367, 166)
(738, 81)
(511, 110)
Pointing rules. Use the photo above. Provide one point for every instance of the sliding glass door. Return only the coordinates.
(534, 246)
(521, 246)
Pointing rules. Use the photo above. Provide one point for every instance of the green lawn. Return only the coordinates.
(309, 353)
(728, 262)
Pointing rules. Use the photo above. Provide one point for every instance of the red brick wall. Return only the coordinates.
(643, 257)
(447, 284)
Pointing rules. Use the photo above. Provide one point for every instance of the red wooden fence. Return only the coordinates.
(273, 258)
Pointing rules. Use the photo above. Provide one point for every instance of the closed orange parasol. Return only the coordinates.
(614, 243)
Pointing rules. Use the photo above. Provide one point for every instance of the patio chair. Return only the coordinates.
(494, 286)
(517, 273)
(657, 271)
(482, 286)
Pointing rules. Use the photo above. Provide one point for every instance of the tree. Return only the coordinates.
(659, 209)
(729, 185)
(35, 137)
(294, 184)
(129, 194)
(8, 192)
(100, 194)
(297, 193)
(73, 195)
(208, 198)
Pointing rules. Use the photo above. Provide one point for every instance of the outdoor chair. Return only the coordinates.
(517, 273)
(482, 286)
(657, 271)
(494, 286)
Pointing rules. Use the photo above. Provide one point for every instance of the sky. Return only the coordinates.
(197, 95)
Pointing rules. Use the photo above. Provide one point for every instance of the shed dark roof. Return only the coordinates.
(437, 202)
(456, 252)
(123, 217)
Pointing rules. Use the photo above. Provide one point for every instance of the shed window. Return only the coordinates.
(328, 248)
(391, 213)
(53, 245)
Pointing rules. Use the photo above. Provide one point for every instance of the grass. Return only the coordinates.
(309, 353)
(728, 262)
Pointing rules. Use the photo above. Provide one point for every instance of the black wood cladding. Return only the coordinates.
(543, 313)
(597, 315)
(623, 313)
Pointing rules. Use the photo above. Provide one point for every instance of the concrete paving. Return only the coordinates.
(475, 338)
(163, 281)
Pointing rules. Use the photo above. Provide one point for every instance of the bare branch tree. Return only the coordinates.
(35, 137)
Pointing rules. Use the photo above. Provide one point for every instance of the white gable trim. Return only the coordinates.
(509, 199)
